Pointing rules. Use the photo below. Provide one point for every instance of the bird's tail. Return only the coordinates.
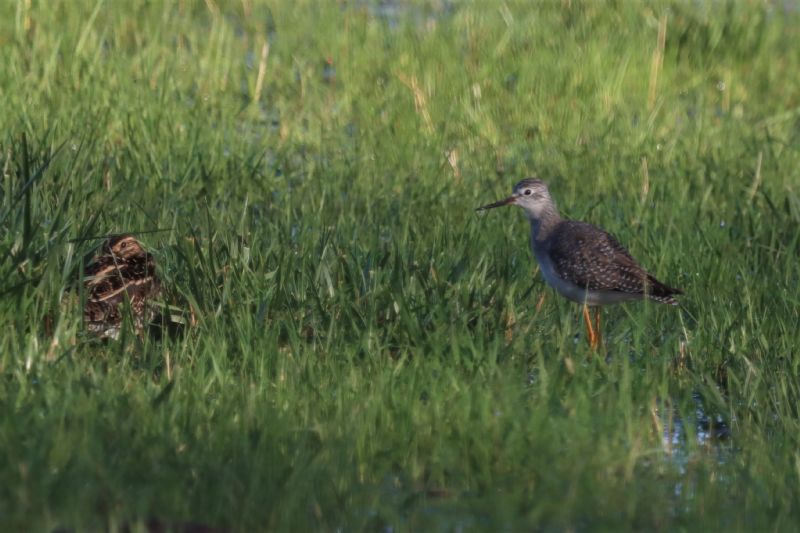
(660, 292)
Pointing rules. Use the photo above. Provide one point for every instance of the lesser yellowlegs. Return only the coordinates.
(580, 261)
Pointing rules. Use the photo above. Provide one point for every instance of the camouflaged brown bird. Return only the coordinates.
(122, 271)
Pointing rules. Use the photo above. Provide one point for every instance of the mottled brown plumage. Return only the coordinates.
(588, 257)
(123, 271)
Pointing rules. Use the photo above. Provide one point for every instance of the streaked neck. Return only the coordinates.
(543, 222)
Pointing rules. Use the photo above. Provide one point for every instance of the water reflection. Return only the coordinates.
(710, 433)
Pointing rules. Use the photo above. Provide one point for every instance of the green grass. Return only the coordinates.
(368, 352)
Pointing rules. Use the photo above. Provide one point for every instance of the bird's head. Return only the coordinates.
(123, 246)
(531, 194)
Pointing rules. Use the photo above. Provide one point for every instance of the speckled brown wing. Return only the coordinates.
(103, 278)
(109, 281)
(589, 257)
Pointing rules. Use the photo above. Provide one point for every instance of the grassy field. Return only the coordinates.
(369, 353)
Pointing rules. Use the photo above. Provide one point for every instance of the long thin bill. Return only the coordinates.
(499, 203)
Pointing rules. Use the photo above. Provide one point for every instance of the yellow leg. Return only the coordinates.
(597, 326)
(593, 338)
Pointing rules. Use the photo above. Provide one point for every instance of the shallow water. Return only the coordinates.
(712, 439)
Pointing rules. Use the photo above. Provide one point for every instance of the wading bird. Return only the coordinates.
(123, 270)
(580, 261)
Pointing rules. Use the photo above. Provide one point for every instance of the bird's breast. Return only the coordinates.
(563, 287)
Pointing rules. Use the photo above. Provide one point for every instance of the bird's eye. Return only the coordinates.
(123, 245)
(527, 192)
